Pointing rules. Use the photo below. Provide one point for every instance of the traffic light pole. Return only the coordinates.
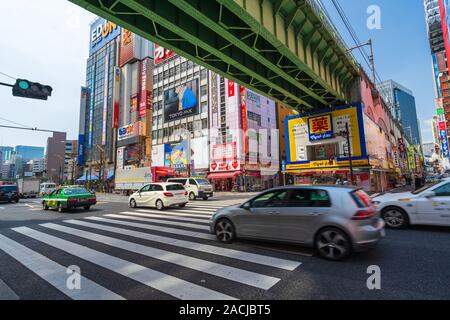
(6, 84)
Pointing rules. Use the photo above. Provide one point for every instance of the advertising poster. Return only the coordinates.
(162, 54)
(128, 131)
(175, 155)
(182, 101)
(311, 141)
(105, 99)
(116, 98)
(126, 47)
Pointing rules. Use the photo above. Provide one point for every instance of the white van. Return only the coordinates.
(46, 188)
(196, 187)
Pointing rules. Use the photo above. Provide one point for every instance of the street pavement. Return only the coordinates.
(143, 253)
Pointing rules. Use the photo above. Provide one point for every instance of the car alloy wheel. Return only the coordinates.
(159, 205)
(192, 196)
(333, 244)
(225, 231)
(394, 218)
(133, 203)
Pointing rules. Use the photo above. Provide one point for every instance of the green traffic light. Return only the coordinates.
(24, 84)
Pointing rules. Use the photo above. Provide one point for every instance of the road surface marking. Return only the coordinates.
(54, 273)
(225, 252)
(171, 213)
(164, 216)
(173, 286)
(231, 273)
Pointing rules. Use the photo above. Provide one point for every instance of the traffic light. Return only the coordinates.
(33, 90)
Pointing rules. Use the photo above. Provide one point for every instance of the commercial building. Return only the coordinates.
(403, 108)
(55, 157)
(437, 16)
(70, 155)
(6, 153)
(96, 136)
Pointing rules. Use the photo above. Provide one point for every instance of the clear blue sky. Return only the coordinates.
(401, 45)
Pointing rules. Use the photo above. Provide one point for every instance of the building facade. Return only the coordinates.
(55, 157)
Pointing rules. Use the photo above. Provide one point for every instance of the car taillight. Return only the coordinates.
(73, 200)
(168, 194)
(92, 199)
(363, 214)
(185, 193)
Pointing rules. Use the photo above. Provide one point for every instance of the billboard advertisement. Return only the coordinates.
(128, 131)
(116, 98)
(91, 107)
(162, 54)
(105, 99)
(181, 101)
(330, 151)
(127, 40)
(176, 154)
(80, 153)
(102, 32)
(145, 103)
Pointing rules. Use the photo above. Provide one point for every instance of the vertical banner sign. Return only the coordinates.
(116, 99)
(91, 106)
(146, 88)
(230, 88)
(105, 99)
(243, 97)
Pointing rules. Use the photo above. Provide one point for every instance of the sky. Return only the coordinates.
(48, 42)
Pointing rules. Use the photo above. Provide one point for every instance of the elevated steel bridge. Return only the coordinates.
(284, 49)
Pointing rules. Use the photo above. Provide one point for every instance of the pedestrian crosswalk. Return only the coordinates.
(166, 254)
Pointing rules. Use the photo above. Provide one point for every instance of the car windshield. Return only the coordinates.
(8, 188)
(426, 187)
(202, 182)
(174, 187)
(74, 191)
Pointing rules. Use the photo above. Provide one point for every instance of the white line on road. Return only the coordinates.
(188, 233)
(238, 275)
(164, 216)
(54, 273)
(170, 213)
(225, 252)
(173, 286)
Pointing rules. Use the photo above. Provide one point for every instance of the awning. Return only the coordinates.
(84, 178)
(224, 175)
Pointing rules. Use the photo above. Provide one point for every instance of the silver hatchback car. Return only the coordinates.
(336, 220)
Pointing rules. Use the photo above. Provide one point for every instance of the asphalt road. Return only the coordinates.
(144, 255)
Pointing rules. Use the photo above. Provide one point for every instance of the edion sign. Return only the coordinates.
(162, 54)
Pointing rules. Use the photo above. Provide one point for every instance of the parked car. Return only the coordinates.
(46, 188)
(69, 197)
(9, 193)
(335, 220)
(196, 187)
(429, 205)
(159, 195)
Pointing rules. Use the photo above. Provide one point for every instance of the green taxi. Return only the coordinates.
(68, 197)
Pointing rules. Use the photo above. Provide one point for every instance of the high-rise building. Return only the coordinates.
(28, 153)
(402, 103)
(96, 136)
(70, 154)
(6, 153)
(55, 157)
(437, 16)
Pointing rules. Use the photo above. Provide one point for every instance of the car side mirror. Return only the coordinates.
(246, 206)
(429, 194)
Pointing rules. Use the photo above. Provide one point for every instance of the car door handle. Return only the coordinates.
(274, 212)
(315, 214)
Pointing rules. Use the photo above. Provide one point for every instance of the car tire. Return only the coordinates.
(191, 196)
(60, 207)
(159, 204)
(44, 205)
(87, 207)
(16, 200)
(333, 244)
(182, 205)
(225, 231)
(205, 198)
(133, 203)
(395, 218)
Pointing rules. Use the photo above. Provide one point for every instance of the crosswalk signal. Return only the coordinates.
(33, 90)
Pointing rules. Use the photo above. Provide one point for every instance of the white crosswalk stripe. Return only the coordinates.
(157, 238)
(55, 273)
(173, 286)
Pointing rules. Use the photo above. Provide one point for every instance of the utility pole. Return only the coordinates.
(371, 58)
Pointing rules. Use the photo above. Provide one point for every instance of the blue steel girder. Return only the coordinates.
(222, 36)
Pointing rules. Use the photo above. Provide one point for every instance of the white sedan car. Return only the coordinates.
(429, 205)
(159, 195)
